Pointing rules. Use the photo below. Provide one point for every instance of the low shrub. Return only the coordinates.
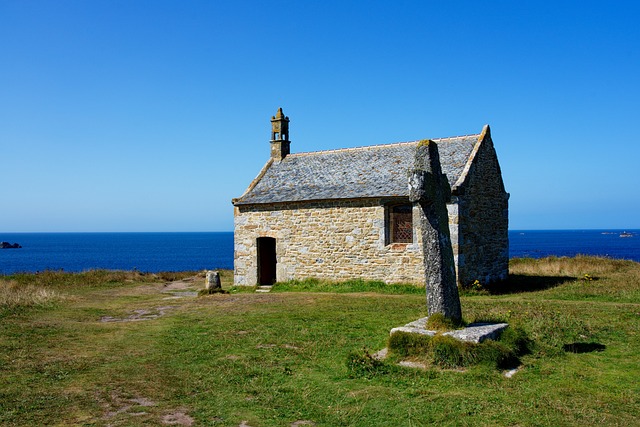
(406, 344)
(438, 322)
(448, 352)
(517, 339)
(212, 291)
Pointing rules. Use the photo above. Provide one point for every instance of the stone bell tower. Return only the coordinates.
(279, 136)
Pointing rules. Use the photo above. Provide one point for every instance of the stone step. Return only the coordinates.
(474, 332)
(263, 289)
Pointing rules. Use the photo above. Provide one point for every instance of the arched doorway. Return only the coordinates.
(266, 261)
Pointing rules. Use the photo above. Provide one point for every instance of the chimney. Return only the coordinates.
(279, 136)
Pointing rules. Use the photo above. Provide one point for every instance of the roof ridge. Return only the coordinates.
(459, 136)
(362, 147)
(366, 147)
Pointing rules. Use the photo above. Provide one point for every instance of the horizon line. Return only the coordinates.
(231, 231)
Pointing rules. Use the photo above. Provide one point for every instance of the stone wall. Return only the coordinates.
(452, 211)
(335, 240)
(483, 221)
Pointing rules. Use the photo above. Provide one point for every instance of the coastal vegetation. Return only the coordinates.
(133, 348)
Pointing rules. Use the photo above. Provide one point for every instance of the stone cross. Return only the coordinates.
(212, 280)
(429, 187)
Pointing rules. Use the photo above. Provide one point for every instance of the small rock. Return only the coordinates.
(265, 346)
(212, 280)
(381, 355)
(177, 418)
(510, 373)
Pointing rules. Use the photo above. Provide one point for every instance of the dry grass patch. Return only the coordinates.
(578, 278)
(13, 295)
(562, 266)
(61, 279)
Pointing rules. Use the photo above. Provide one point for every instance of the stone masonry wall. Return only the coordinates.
(335, 240)
(483, 221)
(452, 211)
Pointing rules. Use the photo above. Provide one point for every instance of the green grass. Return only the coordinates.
(438, 322)
(348, 286)
(273, 359)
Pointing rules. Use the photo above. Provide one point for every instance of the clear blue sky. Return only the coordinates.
(151, 115)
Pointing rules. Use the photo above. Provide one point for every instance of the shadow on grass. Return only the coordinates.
(583, 347)
(517, 283)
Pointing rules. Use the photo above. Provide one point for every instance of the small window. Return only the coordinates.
(400, 224)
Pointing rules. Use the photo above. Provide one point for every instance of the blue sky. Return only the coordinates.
(151, 115)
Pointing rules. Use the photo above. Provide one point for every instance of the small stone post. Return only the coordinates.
(212, 280)
(429, 187)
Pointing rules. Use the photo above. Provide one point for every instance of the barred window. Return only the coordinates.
(400, 224)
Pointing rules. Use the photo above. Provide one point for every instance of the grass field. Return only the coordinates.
(131, 349)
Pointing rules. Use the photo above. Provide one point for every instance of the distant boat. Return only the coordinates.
(625, 234)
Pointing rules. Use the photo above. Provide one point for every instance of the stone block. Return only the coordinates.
(212, 280)
(474, 332)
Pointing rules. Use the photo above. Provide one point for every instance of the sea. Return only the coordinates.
(155, 252)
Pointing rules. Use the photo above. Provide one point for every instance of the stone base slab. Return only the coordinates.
(474, 332)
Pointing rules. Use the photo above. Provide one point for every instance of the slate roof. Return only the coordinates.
(352, 173)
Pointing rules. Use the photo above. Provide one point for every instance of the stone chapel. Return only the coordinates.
(345, 214)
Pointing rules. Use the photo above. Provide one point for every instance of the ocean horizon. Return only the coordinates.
(195, 251)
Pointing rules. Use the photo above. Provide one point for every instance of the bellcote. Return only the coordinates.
(279, 136)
